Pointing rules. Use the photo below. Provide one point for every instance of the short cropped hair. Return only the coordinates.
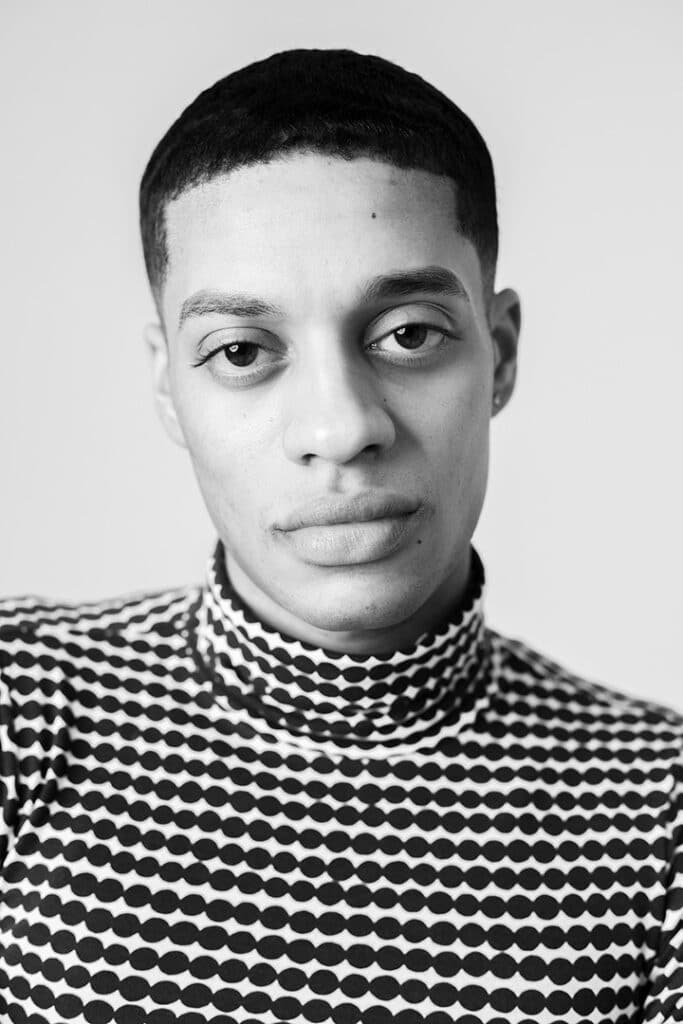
(335, 102)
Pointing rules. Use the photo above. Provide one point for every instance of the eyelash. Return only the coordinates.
(246, 378)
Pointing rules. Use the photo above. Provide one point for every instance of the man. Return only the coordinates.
(317, 787)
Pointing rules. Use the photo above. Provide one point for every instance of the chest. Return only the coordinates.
(225, 884)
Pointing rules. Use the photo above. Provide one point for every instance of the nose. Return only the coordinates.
(336, 410)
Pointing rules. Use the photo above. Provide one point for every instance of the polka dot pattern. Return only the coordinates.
(204, 820)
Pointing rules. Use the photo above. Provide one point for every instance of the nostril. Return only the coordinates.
(372, 449)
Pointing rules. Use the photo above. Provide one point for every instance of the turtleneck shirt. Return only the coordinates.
(208, 822)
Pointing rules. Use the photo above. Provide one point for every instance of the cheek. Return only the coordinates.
(227, 450)
(454, 423)
(456, 445)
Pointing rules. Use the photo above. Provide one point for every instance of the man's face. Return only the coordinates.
(304, 368)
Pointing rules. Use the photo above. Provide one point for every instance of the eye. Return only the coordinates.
(412, 335)
(236, 359)
(421, 338)
(241, 353)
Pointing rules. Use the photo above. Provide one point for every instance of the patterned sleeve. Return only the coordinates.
(664, 1000)
(32, 723)
(8, 759)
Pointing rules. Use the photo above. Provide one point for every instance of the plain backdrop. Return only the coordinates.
(581, 104)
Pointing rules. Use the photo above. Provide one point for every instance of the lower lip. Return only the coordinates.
(351, 543)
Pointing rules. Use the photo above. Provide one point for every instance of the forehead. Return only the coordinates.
(307, 228)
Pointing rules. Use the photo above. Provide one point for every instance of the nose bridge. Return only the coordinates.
(336, 409)
(331, 370)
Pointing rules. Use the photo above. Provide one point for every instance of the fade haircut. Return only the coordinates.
(335, 102)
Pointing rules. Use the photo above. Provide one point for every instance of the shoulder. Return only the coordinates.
(44, 641)
(529, 680)
(135, 613)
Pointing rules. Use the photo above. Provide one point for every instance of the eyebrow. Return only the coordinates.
(204, 303)
(432, 279)
(436, 280)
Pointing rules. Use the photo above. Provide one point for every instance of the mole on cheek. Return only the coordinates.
(374, 215)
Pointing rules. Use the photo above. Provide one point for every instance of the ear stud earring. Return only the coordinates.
(497, 400)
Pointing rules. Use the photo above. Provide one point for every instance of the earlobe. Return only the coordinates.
(505, 320)
(158, 349)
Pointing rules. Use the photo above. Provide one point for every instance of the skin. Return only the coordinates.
(338, 404)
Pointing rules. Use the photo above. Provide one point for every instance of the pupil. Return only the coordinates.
(242, 353)
(412, 335)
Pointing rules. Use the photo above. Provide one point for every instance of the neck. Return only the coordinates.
(367, 641)
(287, 690)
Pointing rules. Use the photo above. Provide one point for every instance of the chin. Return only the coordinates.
(359, 600)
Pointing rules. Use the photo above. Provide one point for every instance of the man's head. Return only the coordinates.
(336, 102)
(320, 235)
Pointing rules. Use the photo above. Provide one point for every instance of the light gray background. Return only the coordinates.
(581, 104)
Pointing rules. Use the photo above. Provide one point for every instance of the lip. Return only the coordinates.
(336, 509)
(355, 529)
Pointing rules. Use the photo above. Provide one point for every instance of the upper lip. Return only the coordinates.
(347, 508)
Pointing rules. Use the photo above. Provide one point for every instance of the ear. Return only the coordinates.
(505, 319)
(158, 348)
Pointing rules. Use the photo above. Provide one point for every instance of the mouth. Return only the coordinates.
(350, 529)
(336, 509)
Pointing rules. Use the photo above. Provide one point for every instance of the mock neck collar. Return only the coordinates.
(311, 697)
